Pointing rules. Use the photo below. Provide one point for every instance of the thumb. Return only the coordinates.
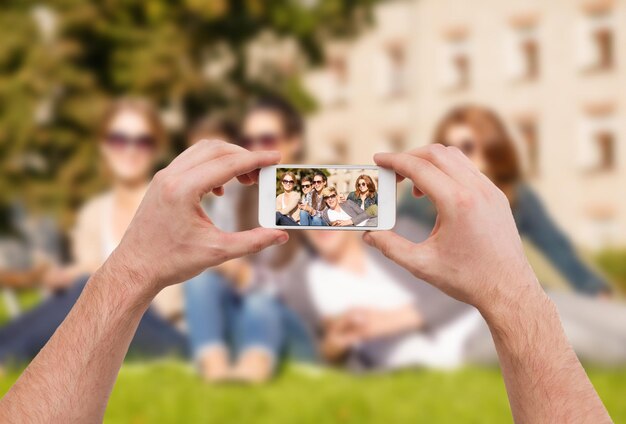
(252, 241)
(397, 248)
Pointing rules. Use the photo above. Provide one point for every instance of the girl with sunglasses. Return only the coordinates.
(482, 136)
(131, 138)
(364, 194)
(287, 210)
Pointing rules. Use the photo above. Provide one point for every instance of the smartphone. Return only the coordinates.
(327, 197)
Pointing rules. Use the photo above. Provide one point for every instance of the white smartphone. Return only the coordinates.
(327, 197)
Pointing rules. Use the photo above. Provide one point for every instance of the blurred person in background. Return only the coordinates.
(238, 327)
(131, 140)
(287, 210)
(346, 214)
(369, 314)
(482, 136)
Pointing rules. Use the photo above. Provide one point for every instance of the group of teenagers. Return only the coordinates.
(322, 205)
(324, 296)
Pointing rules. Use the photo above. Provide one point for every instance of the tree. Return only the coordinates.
(60, 63)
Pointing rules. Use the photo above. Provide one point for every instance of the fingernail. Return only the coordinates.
(282, 239)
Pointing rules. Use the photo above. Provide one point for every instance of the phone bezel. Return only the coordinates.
(386, 198)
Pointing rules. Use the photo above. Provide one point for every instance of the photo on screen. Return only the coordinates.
(318, 197)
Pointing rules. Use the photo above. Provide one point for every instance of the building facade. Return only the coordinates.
(556, 72)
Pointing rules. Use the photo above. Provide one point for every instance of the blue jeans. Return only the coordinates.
(217, 315)
(22, 338)
(308, 220)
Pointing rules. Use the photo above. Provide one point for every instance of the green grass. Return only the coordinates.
(170, 392)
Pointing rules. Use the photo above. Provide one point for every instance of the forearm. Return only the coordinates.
(71, 379)
(544, 379)
(407, 318)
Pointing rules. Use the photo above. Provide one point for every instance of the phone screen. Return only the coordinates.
(333, 196)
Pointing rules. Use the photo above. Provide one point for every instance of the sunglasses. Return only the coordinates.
(318, 181)
(265, 141)
(120, 141)
(287, 181)
(332, 196)
(363, 184)
(306, 185)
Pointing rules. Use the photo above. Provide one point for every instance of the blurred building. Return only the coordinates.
(556, 71)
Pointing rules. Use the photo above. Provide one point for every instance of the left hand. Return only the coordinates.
(371, 323)
(170, 238)
(342, 223)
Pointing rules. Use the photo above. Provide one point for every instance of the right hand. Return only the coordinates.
(474, 252)
(339, 337)
(170, 239)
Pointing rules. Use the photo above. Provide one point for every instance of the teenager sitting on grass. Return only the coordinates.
(131, 140)
(364, 193)
(482, 136)
(345, 214)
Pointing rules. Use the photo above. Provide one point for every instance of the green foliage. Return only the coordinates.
(613, 263)
(372, 210)
(190, 57)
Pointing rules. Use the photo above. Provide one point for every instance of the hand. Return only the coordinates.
(474, 253)
(370, 323)
(339, 337)
(58, 277)
(171, 239)
(342, 223)
(342, 198)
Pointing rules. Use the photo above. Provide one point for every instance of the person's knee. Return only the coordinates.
(260, 303)
(206, 283)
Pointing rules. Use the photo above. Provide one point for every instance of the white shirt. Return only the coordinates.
(341, 216)
(334, 291)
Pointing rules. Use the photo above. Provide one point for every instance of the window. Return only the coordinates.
(522, 52)
(393, 141)
(601, 225)
(530, 137)
(340, 151)
(597, 40)
(456, 61)
(391, 72)
(597, 151)
(338, 74)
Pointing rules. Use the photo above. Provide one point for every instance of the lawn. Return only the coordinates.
(170, 392)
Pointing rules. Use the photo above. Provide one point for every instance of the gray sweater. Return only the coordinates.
(357, 214)
(436, 308)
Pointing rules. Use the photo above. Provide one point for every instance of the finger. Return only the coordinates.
(200, 152)
(252, 241)
(250, 178)
(219, 171)
(425, 176)
(417, 192)
(398, 249)
(450, 160)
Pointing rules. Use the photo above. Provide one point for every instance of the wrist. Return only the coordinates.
(126, 284)
(518, 309)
